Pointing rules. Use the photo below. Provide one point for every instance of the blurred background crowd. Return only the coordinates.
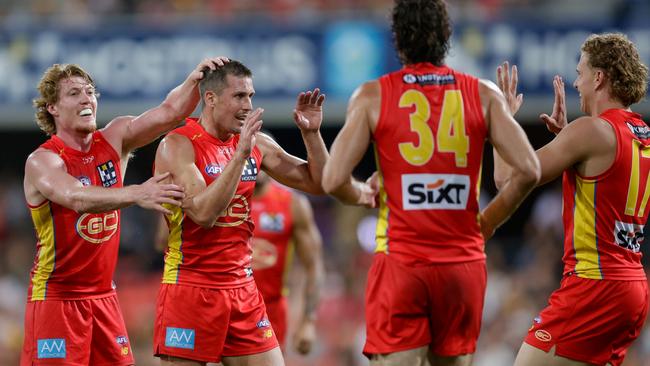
(138, 50)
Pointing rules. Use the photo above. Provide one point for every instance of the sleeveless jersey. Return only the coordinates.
(429, 149)
(219, 257)
(77, 253)
(604, 215)
(272, 240)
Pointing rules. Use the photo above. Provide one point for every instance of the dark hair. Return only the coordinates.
(421, 31)
(215, 80)
(48, 88)
(615, 54)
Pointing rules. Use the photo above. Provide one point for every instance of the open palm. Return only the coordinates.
(308, 114)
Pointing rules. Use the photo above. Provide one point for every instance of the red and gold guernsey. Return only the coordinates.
(219, 257)
(429, 149)
(77, 253)
(272, 242)
(604, 215)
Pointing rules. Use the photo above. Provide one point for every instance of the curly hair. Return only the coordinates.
(618, 57)
(48, 88)
(421, 31)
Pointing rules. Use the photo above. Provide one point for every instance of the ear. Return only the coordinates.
(52, 109)
(209, 98)
(599, 78)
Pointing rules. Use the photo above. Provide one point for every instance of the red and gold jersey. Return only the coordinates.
(219, 257)
(604, 215)
(77, 253)
(272, 245)
(429, 149)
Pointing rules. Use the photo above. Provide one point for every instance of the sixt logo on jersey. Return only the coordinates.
(107, 173)
(213, 169)
(435, 191)
(179, 338)
(250, 170)
(628, 235)
(51, 348)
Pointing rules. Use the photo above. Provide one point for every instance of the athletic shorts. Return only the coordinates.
(592, 321)
(204, 324)
(436, 305)
(277, 312)
(75, 333)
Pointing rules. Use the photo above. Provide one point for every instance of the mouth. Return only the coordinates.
(86, 112)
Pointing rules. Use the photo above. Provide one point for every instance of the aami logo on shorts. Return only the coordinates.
(213, 169)
(435, 191)
(628, 235)
(51, 348)
(97, 227)
(179, 338)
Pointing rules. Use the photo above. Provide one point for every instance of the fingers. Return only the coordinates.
(514, 81)
(499, 77)
(506, 77)
(314, 97)
(160, 177)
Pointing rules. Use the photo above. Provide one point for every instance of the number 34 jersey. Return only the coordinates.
(429, 149)
(604, 215)
(219, 257)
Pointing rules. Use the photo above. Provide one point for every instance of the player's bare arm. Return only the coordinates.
(203, 203)
(308, 244)
(510, 141)
(46, 178)
(128, 132)
(291, 170)
(350, 145)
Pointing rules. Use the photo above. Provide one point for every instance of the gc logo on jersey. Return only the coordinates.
(51, 348)
(107, 173)
(628, 235)
(272, 222)
(97, 227)
(250, 170)
(435, 191)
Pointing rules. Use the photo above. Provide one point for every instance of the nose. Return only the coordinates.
(247, 104)
(575, 84)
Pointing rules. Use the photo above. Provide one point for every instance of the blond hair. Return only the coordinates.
(618, 57)
(48, 88)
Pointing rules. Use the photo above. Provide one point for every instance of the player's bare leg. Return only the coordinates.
(412, 357)
(169, 360)
(531, 356)
(463, 360)
(268, 358)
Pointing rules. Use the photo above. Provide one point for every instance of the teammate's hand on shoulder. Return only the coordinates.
(308, 113)
(153, 193)
(557, 120)
(304, 337)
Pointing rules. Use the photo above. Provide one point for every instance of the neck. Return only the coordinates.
(603, 102)
(212, 127)
(77, 140)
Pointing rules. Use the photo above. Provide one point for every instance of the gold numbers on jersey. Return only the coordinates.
(633, 188)
(451, 136)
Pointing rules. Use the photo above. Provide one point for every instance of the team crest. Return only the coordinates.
(250, 170)
(107, 174)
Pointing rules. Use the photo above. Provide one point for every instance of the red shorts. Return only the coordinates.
(75, 333)
(277, 311)
(592, 321)
(410, 307)
(206, 324)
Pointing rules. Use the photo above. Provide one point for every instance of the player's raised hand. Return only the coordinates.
(305, 337)
(252, 125)
(507, 80)
(153, 193)
(208, 64)
(308, 114)
(557, 120)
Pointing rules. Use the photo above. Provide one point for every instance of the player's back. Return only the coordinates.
(429, 149)
(604, 215)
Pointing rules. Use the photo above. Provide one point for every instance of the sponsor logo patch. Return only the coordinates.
(642, 132)
(51, 348)
(264, 323)
(543, 335)
(250, 170)
(107, 173)
(628, 235)
(85, 181)
(179, 338)
(213, 169)
(272, 221)
(435, 191)
(429, 79)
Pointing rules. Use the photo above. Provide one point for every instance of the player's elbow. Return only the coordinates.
(530, 173)
(331, 183)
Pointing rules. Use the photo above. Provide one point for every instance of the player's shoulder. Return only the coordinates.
(368, 91)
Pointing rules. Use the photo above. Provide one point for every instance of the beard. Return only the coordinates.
(87, 128)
